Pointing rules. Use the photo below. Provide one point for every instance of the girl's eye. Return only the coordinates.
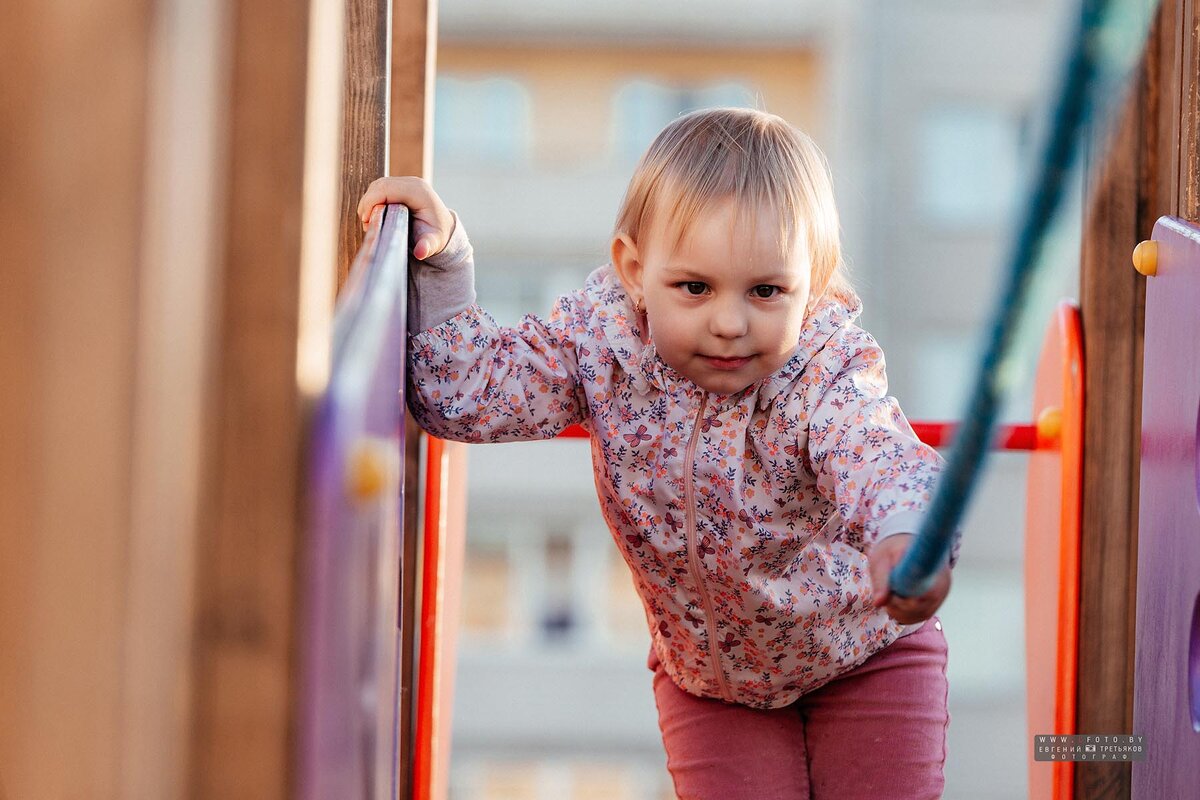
(765, 291)
(695, 287)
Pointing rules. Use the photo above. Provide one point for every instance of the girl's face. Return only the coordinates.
(725, 309)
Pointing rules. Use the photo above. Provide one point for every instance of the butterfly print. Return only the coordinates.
(638, 436)
(789, 623)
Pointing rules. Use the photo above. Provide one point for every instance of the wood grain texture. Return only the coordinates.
(1111, 298)
(414, 57)
(1189, 112)
(364, 123)
(73, 81)
(414, 65)
(175, 321)
(246, 602)
(1137, 177)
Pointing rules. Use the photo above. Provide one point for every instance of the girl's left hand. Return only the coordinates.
(886, 554)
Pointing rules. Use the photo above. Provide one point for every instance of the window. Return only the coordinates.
(969, 166)
(643, 107)
(947, 369)
(487, 590)
(623, 612)
(483, 120)
(558, 613)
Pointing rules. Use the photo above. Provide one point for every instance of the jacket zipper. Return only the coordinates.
(694, 561)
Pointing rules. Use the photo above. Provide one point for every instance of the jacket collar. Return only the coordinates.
(621, 326)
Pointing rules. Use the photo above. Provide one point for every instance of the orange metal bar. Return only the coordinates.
(434, 530)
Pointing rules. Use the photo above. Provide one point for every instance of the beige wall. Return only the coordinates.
(573, 88)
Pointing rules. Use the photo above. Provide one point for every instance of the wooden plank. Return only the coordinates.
(1159, 153)
(414, 52)
(365, 119)
(414, 65)
(174, 322)
(73, 79)
(1189, 112)
(1110, 302)
(1137, 181)
(247, 605)
(1111, 308)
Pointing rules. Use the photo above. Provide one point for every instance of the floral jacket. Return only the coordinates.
(745, 518)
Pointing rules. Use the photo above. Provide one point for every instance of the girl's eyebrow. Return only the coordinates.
(683, 272)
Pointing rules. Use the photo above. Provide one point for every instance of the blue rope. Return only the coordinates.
(915, 573)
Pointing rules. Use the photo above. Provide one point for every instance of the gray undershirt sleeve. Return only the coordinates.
(442, 285)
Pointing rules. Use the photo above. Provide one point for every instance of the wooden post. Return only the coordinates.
(365, 118)
(74, 83)
(276, 262)
(414, 58)
(1149, 167)
(1189, 112)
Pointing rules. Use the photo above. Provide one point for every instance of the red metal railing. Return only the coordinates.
(1041, 436)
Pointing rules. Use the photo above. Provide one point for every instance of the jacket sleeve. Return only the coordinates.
(866, 459)
(471, 380)
(443, 284)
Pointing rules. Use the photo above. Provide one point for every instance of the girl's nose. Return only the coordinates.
(729, 320)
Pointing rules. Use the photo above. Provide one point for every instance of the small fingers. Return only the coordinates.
(372, 197)
(907, 610)
(424, 247)
(366, 220)
(412, 191)
(377, 193)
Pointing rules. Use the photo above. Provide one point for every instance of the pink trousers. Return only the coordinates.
(875, 732)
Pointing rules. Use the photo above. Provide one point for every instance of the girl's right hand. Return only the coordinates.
(885, 554)
(432, 223)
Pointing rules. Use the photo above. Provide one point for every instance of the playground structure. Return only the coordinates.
(178, 580)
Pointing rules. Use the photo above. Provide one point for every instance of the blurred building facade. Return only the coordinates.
(929, 115)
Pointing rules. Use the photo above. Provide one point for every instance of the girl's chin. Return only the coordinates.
(712, 379)
(721, 384)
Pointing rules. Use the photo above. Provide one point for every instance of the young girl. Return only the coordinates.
(754, 474)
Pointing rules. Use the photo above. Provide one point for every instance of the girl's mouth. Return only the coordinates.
(726, 363)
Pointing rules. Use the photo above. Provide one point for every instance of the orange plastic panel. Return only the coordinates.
(1052, 551)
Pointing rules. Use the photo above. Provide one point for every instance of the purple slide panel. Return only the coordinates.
(347, 742)
(1167, 661)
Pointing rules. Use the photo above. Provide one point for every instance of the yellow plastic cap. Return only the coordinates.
(1049, 427)
(1145, 258)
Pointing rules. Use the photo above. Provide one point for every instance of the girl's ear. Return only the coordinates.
(626, 261)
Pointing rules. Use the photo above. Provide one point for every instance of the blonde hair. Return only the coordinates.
(757, 159)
